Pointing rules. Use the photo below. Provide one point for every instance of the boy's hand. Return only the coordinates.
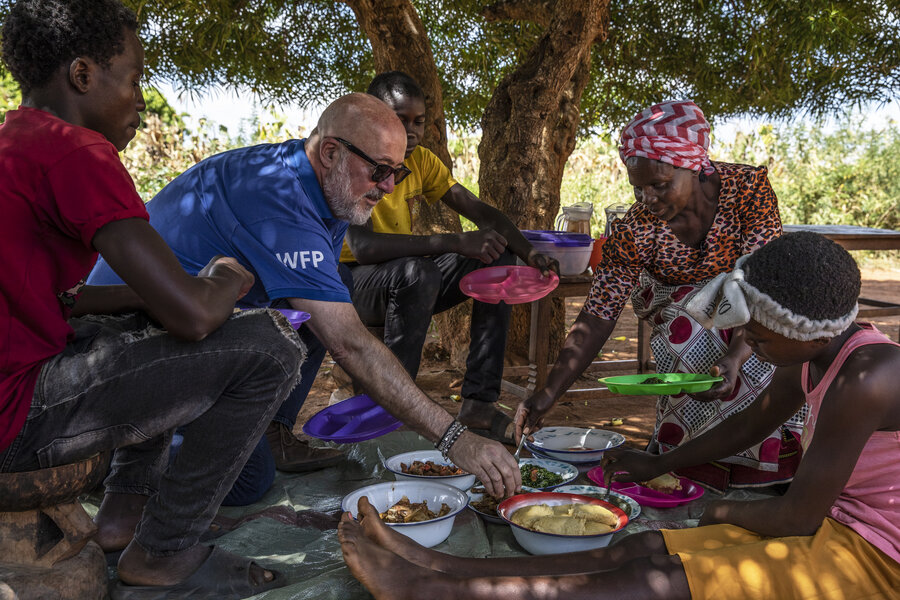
(486, 245)
(543, 263)
(227, 266)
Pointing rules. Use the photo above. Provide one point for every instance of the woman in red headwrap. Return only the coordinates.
(692, 220)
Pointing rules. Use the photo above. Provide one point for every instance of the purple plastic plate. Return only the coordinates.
(689, 491)
(513, 284)
(296, 317)
(355, 419)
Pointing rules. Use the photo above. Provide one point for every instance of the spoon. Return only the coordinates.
(521, 443)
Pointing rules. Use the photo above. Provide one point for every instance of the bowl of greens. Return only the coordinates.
(543, 474)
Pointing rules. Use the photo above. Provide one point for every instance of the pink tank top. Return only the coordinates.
(870, 502)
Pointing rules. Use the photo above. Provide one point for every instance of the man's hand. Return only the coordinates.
(542, 262)
(485, 244)
(530, 413)
(489, 461)
(628, 465)
(226, 266)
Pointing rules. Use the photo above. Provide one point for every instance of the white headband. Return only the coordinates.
(729, 301)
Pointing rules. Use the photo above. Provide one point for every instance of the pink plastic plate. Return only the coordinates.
(689, 491)
(513, 284)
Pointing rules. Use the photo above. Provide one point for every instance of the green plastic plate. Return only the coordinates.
(659, 383)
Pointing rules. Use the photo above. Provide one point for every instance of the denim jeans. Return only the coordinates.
(122, 383)
(258, 473)
(401, 295)
(255, 478)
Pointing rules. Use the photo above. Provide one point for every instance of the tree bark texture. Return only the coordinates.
(529, 128)
(399, 42)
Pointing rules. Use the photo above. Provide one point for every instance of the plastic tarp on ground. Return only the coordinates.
(293, 529)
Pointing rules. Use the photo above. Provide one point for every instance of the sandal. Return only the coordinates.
(222, 576)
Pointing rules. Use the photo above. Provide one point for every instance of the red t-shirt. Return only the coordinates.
(59, 184)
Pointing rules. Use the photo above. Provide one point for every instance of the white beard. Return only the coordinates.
(336, 188)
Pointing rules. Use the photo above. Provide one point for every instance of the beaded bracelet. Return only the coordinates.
(450, 436)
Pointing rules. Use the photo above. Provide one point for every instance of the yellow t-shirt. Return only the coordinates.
(428, 181)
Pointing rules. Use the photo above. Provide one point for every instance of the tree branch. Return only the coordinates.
(533, 11)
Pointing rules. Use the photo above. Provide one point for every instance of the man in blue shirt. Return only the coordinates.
(282, 211)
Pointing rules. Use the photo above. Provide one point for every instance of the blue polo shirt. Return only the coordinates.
(262, 205)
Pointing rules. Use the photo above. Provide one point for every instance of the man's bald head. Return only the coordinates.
(350, 116)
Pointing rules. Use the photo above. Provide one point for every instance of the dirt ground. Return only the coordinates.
(440, 381)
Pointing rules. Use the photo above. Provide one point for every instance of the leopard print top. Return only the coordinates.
(747, 218)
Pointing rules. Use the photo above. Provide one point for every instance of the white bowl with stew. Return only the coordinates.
(385, 495)
(394, 465)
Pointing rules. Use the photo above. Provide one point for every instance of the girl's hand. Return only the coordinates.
(629, 465)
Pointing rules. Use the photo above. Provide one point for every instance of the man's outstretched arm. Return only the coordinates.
(373, 365)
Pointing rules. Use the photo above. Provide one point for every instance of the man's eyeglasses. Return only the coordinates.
(382, 171)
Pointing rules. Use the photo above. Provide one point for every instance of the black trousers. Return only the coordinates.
(401, 295)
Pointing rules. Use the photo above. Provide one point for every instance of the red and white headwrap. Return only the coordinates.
(672, 132)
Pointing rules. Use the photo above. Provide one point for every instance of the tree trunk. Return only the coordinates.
(399, 42)
(529, 128)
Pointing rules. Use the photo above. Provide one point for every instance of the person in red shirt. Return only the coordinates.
(85, 369)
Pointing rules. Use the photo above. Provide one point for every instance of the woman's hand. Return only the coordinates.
(630, 465)
(530, 413)
(728, 368)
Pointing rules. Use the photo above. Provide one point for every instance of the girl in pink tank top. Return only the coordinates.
(835, 533)
(870, 501)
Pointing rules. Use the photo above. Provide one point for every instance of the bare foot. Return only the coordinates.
(376, 530)
(117, 519)
(137, 567)
(384, 574)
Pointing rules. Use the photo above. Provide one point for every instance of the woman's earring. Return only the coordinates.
(702, 177)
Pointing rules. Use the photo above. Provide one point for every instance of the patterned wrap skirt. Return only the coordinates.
(681, 345)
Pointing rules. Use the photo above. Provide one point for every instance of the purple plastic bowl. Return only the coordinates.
(355, 419)
(296, 317)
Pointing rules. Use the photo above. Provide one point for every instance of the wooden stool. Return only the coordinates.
(44, 530)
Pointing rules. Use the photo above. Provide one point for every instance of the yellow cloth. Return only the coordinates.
(724, 562)
(428, 181)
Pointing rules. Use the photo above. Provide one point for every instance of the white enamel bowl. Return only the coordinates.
(566, 443)
(392, 464)
(427, 533)
(626, 503)
(537, 542)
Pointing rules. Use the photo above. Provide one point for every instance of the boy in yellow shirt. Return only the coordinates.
(400, 280)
